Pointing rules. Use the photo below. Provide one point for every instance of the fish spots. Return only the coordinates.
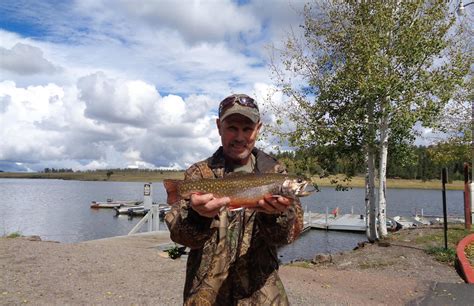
(245, 189)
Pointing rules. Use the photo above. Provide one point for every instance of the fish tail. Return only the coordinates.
(171, 187)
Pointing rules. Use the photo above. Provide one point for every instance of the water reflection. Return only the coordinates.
(319, 241)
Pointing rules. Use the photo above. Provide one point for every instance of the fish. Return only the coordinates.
(243, 189)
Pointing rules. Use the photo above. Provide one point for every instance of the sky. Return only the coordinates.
(101, 84)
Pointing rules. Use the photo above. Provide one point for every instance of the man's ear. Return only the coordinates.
(259, 125)
(218, 123)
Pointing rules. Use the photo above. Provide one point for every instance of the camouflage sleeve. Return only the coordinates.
(283, 228)
(186, 226)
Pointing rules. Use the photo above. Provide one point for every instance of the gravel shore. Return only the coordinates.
(125, 271)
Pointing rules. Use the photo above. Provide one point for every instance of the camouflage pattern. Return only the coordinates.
(233, 258)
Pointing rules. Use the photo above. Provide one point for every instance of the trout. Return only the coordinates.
(243, 189)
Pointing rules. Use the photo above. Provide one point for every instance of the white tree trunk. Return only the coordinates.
(367, 197)
(382, 205)
(370, 202)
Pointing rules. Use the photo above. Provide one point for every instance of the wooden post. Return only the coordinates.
(467, 201)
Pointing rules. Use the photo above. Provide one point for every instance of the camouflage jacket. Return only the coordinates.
(233, 258)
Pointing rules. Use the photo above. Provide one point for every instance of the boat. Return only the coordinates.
(407, 222)
(141, 210)
(131, 211)
(340, 222)
(433, 219)
(113, 204)
(392, 225)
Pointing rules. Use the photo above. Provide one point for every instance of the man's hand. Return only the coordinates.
(206, 205)
(274, 205)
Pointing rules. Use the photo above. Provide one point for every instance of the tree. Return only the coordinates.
(362, 75)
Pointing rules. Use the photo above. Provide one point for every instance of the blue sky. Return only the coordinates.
(118, 83)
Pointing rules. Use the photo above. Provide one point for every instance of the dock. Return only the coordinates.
(357, 223)
(115, 203)
(339, 222)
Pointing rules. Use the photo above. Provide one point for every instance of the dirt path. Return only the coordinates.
(135, 271)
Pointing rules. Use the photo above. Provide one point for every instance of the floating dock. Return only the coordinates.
(342, 222)
(113, 204)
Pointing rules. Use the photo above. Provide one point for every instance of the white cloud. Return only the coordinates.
(47, 124)
(195, 21)
(25, 59)
(102, 84)
(119, 101)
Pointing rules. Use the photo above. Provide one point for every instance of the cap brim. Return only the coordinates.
(249, 112)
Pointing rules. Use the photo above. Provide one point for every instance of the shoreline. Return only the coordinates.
(156, 176)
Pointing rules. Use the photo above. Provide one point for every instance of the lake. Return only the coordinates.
(60, 210)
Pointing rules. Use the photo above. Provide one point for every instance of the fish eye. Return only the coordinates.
(299, 180)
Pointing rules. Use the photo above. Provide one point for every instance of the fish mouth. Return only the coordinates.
(302, 192)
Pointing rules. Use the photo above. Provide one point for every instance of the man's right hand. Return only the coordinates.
(206, 205)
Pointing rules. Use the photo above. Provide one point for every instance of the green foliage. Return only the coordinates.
(175, 251)
(435, 242)
(14, 235)
(444, 255)
(405, 162)
(360, 64)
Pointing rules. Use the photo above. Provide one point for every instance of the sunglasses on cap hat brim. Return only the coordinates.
(229, 101)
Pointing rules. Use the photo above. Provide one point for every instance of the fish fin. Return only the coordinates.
(171, 187)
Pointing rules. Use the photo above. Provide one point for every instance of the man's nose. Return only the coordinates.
(240, 136)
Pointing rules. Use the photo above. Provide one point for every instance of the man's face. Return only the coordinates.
(238, 135)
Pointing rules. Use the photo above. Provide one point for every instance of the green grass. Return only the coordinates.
(14, 235)
(359, 181)
(444, 255)
(455, 234)
(432, 240)
(434, 243)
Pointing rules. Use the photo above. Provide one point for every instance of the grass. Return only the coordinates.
(14, 235)
(359, 181)
(433, 242)
(444, 255)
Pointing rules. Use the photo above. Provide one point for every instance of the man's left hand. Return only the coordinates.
(274, 205)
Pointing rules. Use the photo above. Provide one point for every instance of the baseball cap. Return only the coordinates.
(239, 104)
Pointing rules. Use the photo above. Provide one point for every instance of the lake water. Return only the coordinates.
(60, 210)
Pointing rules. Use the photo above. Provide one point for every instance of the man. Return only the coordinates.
(233, 258)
